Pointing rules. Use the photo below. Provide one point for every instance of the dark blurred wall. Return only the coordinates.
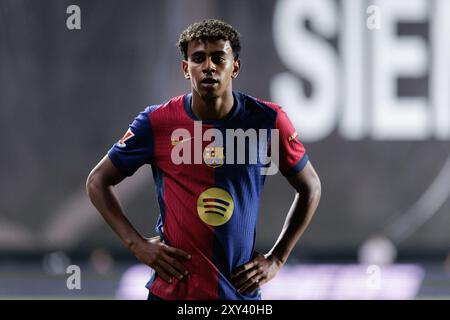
(67, 95)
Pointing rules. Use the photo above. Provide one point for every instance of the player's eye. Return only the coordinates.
(197, 58)
(218, 59)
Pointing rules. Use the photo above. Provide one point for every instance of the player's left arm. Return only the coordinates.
(248, 277)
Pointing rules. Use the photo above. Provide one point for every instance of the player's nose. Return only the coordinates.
(209, 66)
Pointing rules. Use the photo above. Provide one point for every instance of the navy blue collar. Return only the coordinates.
(237, 105)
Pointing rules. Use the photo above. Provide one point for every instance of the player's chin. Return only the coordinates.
(209, 94)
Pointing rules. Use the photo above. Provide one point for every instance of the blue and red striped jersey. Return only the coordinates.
(208, 209)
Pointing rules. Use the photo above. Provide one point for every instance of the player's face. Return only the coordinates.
(210, 67)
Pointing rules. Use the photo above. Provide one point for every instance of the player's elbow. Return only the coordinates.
(313, 189)
(93, 183)
(316, 188)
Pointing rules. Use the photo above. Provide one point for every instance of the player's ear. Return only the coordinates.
(184, 66)
(236, 68)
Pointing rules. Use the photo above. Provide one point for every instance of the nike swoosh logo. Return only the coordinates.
(175, 142)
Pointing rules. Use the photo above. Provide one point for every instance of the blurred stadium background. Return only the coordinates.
(373, 80)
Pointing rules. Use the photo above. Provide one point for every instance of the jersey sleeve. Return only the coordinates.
(136, 146)
(292, 153)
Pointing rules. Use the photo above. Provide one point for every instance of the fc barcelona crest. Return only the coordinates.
(213, 156)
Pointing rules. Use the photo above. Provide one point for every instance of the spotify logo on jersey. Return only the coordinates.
(215, 206)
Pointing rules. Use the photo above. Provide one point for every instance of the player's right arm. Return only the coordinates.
(165, 260)
(127, 155)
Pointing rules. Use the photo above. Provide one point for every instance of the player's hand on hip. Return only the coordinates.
(165, 260)
(250, 276)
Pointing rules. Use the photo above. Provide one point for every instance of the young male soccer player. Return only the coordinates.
(208, 208)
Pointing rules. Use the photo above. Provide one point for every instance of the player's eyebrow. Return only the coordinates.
(203, 52)
(219, 52)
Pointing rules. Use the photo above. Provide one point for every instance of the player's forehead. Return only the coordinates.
(209, 46)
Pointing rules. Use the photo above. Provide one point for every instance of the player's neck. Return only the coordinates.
(216, 108)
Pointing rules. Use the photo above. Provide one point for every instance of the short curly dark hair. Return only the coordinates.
(210, 29)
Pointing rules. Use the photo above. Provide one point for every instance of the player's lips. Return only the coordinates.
(209, 82)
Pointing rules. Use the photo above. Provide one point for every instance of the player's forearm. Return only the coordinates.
(297, 220)
(104, 199)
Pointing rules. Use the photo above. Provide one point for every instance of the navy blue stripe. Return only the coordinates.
(158, 177)
(298, 167)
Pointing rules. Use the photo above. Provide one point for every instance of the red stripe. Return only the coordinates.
(183, 228)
